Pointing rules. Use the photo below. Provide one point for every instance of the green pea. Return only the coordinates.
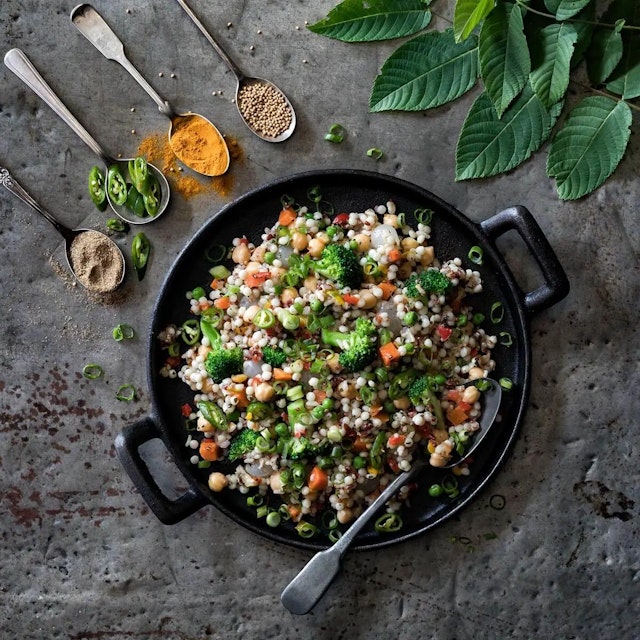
(282, 429)
(269, 257)
(316, 306)
(326, 462)
(359, 462)
(327, 404)
(273, 519)
(436, 490)
(410, 318)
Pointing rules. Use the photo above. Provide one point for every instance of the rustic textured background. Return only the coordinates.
(82, 556)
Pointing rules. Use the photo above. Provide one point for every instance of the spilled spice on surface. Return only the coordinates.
(157, 150)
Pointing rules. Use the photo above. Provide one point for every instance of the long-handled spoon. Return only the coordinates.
(17, 61)
(113, 260)
(213, 158)
(304, 591)
(263, 106)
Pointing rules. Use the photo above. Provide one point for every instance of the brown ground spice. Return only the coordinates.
(96, 261)
(156, 149)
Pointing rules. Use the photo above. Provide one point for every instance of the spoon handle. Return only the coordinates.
(93, 27)
(10, 184)
(304, 591)
(17, 61)
(212, 41)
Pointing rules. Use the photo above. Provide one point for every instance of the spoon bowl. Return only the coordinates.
(19, 63)
(304, 591)
(108, 257)
(263, 106)
(209, 143)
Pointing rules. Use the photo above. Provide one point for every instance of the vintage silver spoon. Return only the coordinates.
(93, 27)
(17, 61)
(69, 235)
(304, 591)
(253, 84)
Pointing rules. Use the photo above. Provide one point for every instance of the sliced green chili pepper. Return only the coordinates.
(135, 202)
(115, 224)
(152, 198)
(123, 332)
(401, 383)
(126, 393)
(259, 411)
(139, 174)
(190, 331)
(388, 523)
(116, 185)
(213, 414)
(264, 319)
(96, 188)
(92, 371)
(306, 529)
(140, 250)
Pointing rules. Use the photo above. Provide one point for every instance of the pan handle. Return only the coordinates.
(127, 445)
(556, 284)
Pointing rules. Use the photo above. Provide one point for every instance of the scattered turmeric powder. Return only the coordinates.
(199, 145)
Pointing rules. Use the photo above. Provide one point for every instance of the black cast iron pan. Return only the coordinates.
(453, 234)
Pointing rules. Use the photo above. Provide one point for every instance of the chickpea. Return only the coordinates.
(427, 257)
(333, 363)
(409, 243)
(217, 481)
(310, 283)
(203, 425)
(366, 299)
(390, 219)
(207, 386)
(253, 267)
(264, 392)
(203, 351)
(277, 273)
(344, 516)
(258, 253)
(250, 313)
(316, 247)
(363, 241)
(436, 460)
(299, 241)
(241, 254)
(475, 373)
(289, 295)
(470, 395)
(347, 389)
(402, 402)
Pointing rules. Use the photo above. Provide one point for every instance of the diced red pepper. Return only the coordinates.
(341, 219)
(186, 410)
(350, 299)
(444, 332)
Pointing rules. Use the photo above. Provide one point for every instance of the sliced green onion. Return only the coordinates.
(497, 312)
(476, 254)
(478, 318)
(506, 383)
(505, 338)
(402, 219)
(262, 511)
(334, 535)
(123, 332)
(219, 272)
(173, 349)
(215, 254)
(450, 486)
(314, 194)
(115, 224)
(255, 501)
(126, 393)
(212, 316)
(204, 464)
(306, 529)
(335, 134)
(284, 512)
(375, 153)
(423, 216)
(388, 523)
(367, 394)
(286, 201)
(92, 371)
(329, 520)
(482, 384)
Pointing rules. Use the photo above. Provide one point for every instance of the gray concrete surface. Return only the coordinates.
(81, 557)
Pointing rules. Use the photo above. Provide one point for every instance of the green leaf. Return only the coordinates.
(564, 9)
(584, 29)
(468, 14)
(426, 72)
(625, 79)
(589, 147)
(488, 146)
(369, 20)
(551, 55)
(603, 55)
(504, 55)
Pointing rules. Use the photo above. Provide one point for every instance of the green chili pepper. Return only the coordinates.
(388, 523)
(116, 185)
(126, 393)
(115, 224)
(139, 174)
(401, 383)
(264, 319)
(123, 332)
(96, 188)
(298, 474)
(152, 198)
(140, 250)
(92, 371)
(190, 331)
(213, 414)
(259, 411)
(135, 202)
(306, 529)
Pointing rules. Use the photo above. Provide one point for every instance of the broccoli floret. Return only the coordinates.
(340, 264)
(358, 347)
(222, 363)
(242, 443)
(273, 356)
(427, 282)
(302, 448)
(421, 393)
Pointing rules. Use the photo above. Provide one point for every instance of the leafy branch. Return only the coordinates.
(525, 53)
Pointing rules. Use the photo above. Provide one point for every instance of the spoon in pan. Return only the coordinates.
(304, 591)
(264, 107)
(212, 156)
(17, 61)
(104, 254)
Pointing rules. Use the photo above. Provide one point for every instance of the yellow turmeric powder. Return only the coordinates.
(199, 145)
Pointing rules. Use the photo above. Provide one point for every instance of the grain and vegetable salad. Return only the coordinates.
(326, 359)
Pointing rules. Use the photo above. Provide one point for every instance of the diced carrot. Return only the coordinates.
(350, 299)
(216, 284)
(375, 409)
(454, 395)
(387, 289)
(209, 450)
(456, 416)
(281, 374)
(319, 395)
(287, 216)
(383, 416)
(389, 354)
(294, 511)
(205, 304)
(394, 255)
(256, 278)
(222, 303)
(395, 440)
(318, 479)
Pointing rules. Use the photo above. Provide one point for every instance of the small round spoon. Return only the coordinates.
(93, 27)
(304, 591)
(250, 85)
(19, 63)
(69, 235)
